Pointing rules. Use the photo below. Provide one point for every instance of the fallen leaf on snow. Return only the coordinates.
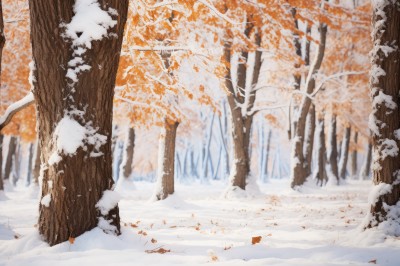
(256, 240)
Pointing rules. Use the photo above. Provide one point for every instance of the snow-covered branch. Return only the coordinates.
(15, 108)
(334, 76)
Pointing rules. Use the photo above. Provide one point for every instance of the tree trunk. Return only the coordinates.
(385, 117)
(345, 152)
(320, 173)
(29, 170)
(10, 157)
(2, 37)
(267, 153)
(16, 172)
(75, 99)
(127, 161)
(366, 168)
(333, 153)
(1, 163)
(36, 166)
(309, 143)
(166, 160)
(299, 172)
(354, 156)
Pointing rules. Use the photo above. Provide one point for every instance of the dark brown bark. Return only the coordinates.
(333, 153)
(1, 163)
(77, 182)
(386, 31)
(166, 163)
(309, 143)
(320, 173)
(129, 146)
(36, 165)
(354, 166)
(299, 172)
(10, 160)
(344, 152)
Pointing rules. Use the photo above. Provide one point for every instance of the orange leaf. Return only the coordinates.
(71, 240)
(256, 240)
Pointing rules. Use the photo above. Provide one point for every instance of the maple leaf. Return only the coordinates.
(256, 240)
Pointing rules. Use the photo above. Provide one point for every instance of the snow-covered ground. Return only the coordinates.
(197, 226)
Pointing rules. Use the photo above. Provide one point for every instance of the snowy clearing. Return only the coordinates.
(196, 226)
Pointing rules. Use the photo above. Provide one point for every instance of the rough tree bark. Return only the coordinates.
(299, 164)
(320, 173)
(344, 152)
(333, 153)
(129, 146)
(385, 117)
(10, 157)
(354, 167)
(73, 185)
(166, 160)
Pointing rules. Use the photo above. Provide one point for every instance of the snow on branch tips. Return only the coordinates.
(15, 108)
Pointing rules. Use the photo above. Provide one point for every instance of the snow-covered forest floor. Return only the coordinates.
(320, 226)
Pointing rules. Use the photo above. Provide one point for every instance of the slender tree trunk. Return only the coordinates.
(366, 168)
(36, 166)
(166, 163)
(354, 167)
(29, 170)
(267, 153)
(385, 117)
(299, 172)
(10, 157)
(333, 153)
(345, 152)
(16, 172)
(127, 161)
(320, 173)
(75, 99)
(1, 163)
(309, 143)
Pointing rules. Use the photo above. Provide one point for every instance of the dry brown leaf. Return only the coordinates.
(372, 261)
(158, 250)
(71, 240)
(256, 240)
(153, 241)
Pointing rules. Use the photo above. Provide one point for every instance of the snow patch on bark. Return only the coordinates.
(377, 191)
(108, 201)
(46, 200)
(107, 227)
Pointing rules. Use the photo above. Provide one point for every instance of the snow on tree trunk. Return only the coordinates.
(1, 162)
(332, 152)
(127, 158)
(298, 161)
(354, 168)
(166, 160)
(309, 143)
(10, 157)
(344, 152)
(384, 120)
(76, 47)
(320, 173)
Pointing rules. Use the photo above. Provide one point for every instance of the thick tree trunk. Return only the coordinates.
(75, 98)
(309, 143)
(299, 172)
(320, 173)
(385, 117)
(36, 165)
(354, 167)
(344, 152)
(1, 163)
(10, 157)
(166, 160)
(333, 153)
(127, 161)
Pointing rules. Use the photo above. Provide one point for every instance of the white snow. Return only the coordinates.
(69, 135)
(24, 101)
(377, 191)
(46, 200)
(108, 201)
(383, 98)
(388, 147)
(316, 227)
